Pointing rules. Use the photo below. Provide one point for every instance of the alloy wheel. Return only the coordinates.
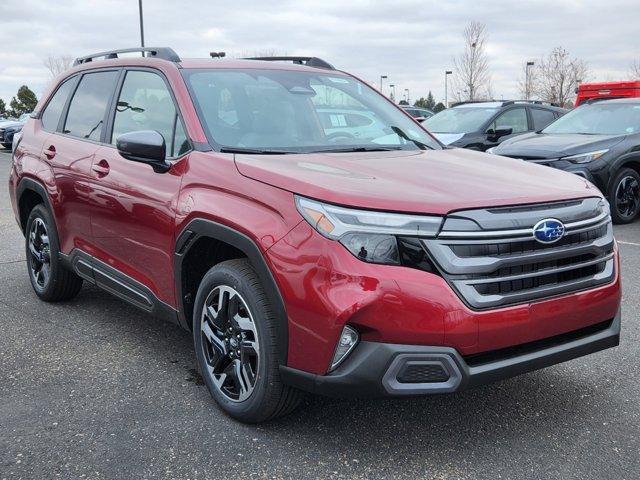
(230, 343)
(627, 198)
(40, 258)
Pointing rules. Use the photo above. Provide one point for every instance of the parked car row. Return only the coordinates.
(599, 140)
(8, 128)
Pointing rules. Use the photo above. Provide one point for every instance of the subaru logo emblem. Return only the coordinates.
(548, 230)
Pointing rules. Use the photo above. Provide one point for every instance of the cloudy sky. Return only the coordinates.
(411, 41)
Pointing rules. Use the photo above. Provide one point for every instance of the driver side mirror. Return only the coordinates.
(144, 146)
(499, 132)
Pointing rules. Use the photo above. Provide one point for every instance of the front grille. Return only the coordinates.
(498, 262)
(422, 372)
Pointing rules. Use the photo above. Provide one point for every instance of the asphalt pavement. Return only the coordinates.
(93, 388)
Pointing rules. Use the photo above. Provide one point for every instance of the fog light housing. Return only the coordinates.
(347, 342)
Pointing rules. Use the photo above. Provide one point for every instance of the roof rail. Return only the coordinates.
(534, 102)
(164, 53)
(308, 61)
(465, 102)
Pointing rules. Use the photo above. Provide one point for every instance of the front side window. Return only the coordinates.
(515, 119)
(52, 112)
(294, 111)
(88, 106)
(599, 119)
(145, 104)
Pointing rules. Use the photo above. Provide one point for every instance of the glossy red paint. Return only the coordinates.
(325, 287)
(130, 217)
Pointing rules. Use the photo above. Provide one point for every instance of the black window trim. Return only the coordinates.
(65, 111)
(114, 100)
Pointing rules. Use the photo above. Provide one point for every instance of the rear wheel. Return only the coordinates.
(625, 196)
(49, 279)
(234, 333)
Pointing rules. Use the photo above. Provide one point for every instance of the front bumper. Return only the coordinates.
(373, 369)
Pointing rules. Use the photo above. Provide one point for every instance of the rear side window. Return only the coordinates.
(541, 118)
(51, 114)
(89, 104)
(145, 103)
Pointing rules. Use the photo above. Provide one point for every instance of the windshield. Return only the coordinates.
(599, 119)
(298, 112)
(459, 119)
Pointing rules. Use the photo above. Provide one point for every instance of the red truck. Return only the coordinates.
(306, 250)
(607, 90)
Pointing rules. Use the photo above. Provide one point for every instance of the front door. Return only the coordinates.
(133, 208)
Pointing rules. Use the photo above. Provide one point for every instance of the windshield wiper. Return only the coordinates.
(254, 151)
(422, 146)
(356, 149)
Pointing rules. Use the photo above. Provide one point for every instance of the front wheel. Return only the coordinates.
(625, 196)
(235, 338)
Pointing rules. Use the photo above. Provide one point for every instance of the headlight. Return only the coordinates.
(370, 236)
(585, 157)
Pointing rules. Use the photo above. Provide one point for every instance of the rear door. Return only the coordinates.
(133, 213)
(69, 149)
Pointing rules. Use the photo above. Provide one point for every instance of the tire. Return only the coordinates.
(49, 279)
(259, 395)
(624, 196)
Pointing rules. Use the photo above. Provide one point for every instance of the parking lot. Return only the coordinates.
(93, 388)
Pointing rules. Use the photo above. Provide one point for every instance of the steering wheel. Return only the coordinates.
(336, 136)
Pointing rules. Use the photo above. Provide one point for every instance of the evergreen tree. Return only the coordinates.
(439, 107)
(25, 101)
(430, 103)
(3, 108)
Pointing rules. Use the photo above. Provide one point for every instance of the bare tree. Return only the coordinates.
(472, 76)
(56, 64)
(558, 75)
(635, 70)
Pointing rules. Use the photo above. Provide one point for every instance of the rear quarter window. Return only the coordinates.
(53, 110)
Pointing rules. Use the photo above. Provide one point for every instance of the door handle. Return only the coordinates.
(50, 152)
(101, 168)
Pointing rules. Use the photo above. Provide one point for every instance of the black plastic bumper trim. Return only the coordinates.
(371, 369)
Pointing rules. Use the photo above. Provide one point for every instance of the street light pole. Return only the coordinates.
(141, 26)
(446, 96)
(407, 92)
(393, 92)
(526, 79)
(382, 77)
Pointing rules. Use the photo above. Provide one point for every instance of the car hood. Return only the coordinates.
(555, 145)
(9, 123)
(431, 181)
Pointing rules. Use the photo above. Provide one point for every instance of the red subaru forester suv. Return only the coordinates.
(310, 234)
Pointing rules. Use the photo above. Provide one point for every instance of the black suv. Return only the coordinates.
(482, 125)
(599, 141)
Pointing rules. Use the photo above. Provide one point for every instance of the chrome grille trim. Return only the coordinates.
(494, 268)
(602, 218)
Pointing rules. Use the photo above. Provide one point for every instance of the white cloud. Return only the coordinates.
(411, 41)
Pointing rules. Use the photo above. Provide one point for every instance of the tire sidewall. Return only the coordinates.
(617, 218)
(249, 409)
(41, 212)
